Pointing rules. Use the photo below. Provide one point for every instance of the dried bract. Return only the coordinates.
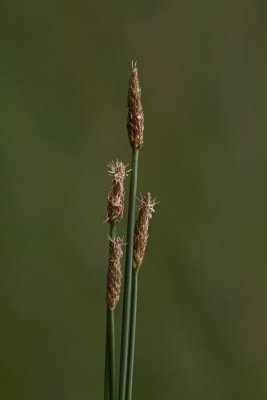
(135, 121)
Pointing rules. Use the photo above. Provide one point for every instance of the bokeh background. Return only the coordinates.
(64, 71)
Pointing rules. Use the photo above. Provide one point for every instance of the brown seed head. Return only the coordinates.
(114, 273)
(116, 196)
(141, 229)
(135, 122)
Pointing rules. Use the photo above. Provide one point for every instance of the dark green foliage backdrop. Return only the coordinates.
(64, 70)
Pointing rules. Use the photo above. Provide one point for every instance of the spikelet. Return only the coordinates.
(114, 273)
(135, 121)
(115, 207)
(141, 229)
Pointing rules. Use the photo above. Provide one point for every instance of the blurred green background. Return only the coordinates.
(64, 71)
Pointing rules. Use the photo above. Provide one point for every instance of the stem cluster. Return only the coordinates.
(137, 235)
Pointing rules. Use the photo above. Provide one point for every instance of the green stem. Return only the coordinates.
(107, 386)
(129, 384)
(111, 355)
(128, 277)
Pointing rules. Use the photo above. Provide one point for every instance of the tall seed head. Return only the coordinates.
(115, 207)
(114, 273)
(135, 122)
(141, 229)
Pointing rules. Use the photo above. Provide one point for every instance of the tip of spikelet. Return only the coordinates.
(134, 65)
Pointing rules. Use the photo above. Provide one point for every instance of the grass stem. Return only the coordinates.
(130, 368)
(128, 277)
(111, 354)
(106, 383)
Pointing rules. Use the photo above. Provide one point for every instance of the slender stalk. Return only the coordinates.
(111, 349)
(128, 276)
(107, 386)
(130, 368)
(106, 383)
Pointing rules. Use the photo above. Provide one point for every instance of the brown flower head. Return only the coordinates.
(141, 229)
(135, 121)
(114, 273)
(115, 207)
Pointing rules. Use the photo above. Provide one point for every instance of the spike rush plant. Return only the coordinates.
(137, 236)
